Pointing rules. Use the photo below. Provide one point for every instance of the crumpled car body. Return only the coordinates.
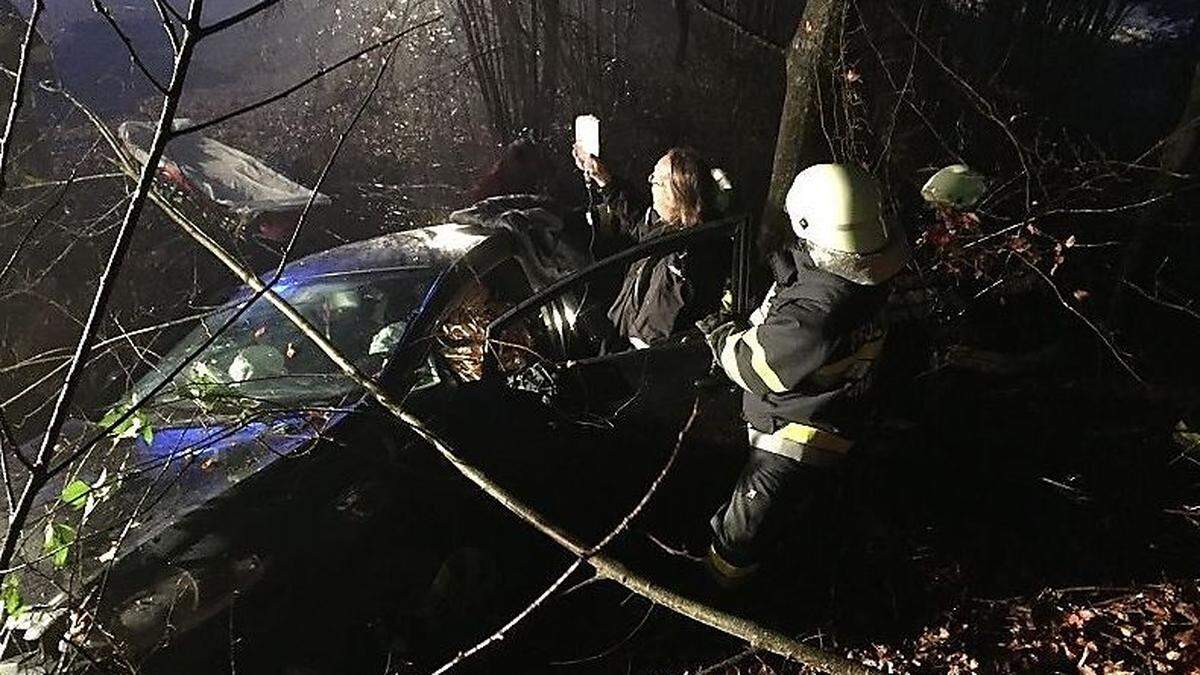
(258, 454)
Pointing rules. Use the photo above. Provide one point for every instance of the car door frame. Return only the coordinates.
(736, 226)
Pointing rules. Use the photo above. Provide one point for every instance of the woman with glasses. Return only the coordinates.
(662, 294)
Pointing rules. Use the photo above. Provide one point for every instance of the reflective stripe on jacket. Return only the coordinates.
(805, 362)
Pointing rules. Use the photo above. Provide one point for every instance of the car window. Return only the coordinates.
(579, 306)
(263, 356)
(462, 334)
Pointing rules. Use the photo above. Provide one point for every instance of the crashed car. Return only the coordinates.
(258, 455)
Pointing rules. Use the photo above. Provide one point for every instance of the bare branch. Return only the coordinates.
(107, 175)
(621, 526)
(7, 441)
(306, 81)
(37, 222)
(741, 29)
(1102, 334)
(62, 353)
(18, 96)
(499, 634)
(182, 220)
(104, 290)
(164, 8)
(237, 18)
(133, 54)
(723, 666)
(1159, 301)
(1123, 207)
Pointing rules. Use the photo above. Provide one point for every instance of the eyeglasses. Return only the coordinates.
(654, 182)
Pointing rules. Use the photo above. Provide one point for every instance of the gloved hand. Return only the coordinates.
(715, 327)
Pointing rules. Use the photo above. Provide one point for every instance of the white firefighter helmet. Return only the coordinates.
(837, 207)
(957, 186)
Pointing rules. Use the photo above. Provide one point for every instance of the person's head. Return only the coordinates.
(837, 207)
(836, 211)
(682, 187)
(520, 169)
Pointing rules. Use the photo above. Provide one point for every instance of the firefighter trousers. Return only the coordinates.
(771, 492)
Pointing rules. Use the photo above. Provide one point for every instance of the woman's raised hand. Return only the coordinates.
(591, 166)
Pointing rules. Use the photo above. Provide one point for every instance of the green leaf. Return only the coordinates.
(113, 415)
(10, 594)
(148, 434)
(130, 427)
(74, 494)
(57, 542)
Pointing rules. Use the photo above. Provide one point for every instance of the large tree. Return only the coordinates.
(800, 139)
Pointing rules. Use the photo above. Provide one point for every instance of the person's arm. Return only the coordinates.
(623, 203)
(668, 293)
(776, 355)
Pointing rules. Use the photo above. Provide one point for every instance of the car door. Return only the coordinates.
(559, 415)
(601, 376)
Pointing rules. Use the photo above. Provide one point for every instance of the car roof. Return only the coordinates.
(434, 248)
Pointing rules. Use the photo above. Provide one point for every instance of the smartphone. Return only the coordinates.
(587, 133)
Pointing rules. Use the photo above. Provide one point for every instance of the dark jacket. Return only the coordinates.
(663, 294)
(806, 362)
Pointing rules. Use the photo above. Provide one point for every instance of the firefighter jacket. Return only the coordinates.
(806, 360)
(662, 294)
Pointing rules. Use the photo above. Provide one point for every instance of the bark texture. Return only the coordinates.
(800, 141)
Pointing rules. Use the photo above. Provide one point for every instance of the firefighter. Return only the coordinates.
(805, 360)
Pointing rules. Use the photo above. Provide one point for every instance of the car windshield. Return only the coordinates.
(263, 358)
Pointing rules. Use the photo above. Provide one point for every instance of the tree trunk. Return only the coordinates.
(799, 142)
(1180, 153)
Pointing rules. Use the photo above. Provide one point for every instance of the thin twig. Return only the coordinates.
(723, 665)
(104, 289)
(741, 29)
(241, 16)
(18, 96)
(65, 352)
(80, 179)
(1123, 207)
(520, 616)
(584, 555)
(306, 81)
(607, 651)
(671, 550)
(7, 441)
(1159, 301)
(1090, 324)
(165, 11)
(133, 53)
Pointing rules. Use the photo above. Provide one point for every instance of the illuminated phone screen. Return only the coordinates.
(587, 133)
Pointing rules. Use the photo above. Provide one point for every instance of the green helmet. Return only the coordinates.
(837, 207)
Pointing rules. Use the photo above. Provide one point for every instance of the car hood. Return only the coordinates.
(138, 487)
(124, 493)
